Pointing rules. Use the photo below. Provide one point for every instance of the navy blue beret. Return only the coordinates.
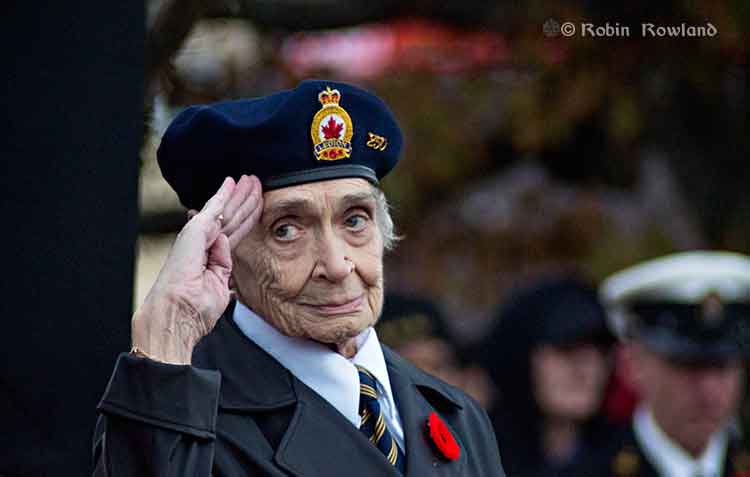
(317, 131)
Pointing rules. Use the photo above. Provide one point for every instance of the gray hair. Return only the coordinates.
(384, 221)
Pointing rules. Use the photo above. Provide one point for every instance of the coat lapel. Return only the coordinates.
(318, 440)
(321, 441)
(411, 389)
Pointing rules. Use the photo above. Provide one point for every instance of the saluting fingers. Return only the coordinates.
(236, 209)
(246, 215)
(239, 194)
(250, 214)
(215, 205)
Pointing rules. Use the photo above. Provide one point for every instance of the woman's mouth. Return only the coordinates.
(339, 308)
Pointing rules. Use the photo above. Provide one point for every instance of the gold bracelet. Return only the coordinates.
(139, 353)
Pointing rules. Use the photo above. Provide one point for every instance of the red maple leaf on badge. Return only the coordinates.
(332, 130)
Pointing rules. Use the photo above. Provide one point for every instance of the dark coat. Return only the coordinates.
(624, 457)
(236, 411)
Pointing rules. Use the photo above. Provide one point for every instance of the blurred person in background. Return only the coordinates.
(685, 319)
(414, 327)
(549, 358)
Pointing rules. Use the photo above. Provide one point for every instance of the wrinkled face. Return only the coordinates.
(313, 265)
(569, 381)
(689, 402)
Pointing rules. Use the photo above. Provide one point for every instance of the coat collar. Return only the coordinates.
(438, 393)
(666, 455)
(253, 381)
(629, 458)
(332, 376)
(418, 395)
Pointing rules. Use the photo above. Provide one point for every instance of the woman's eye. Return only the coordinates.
(286, 232)
(356, 222)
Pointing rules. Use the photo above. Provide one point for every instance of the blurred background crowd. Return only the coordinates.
(526, 152)
(535, 166)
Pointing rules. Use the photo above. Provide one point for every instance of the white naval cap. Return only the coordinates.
(686, 277)
(681, 297)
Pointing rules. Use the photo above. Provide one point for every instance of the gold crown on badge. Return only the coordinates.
(331, 129)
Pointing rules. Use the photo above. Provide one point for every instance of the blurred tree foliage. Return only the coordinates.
(624, 148)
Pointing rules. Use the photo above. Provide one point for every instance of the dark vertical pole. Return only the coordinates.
(71, 90)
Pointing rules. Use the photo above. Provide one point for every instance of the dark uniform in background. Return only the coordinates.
(685, 316)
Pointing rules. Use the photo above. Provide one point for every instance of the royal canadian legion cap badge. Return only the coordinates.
(331, 128)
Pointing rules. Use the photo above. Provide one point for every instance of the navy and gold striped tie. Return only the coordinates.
(373, 423)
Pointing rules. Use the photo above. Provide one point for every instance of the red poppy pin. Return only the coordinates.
(442, 437)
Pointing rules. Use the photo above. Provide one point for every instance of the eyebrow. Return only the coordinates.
(299, 207)
(355, 199)
(358, 198)
(289, 207)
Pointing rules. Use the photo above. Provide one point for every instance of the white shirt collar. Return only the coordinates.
(332, 376)
(669, 458)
